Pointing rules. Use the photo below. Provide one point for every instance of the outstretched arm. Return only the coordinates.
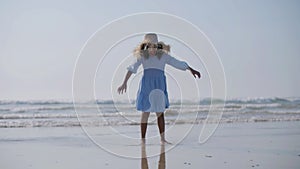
(195, 73)
(123, 87)
(181, 65)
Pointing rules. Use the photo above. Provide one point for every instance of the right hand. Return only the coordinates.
(122, 88)
(195, 73)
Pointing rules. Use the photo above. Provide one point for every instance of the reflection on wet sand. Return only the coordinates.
(162, 158)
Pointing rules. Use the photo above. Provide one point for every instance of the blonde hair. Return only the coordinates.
(140, 52)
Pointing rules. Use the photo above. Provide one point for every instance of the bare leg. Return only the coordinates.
(144, 122)
(161, 126)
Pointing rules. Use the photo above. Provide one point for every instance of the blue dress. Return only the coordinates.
(152, 95)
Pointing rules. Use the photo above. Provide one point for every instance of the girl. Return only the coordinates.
(152, 95)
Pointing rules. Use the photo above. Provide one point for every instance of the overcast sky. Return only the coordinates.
(258, 43)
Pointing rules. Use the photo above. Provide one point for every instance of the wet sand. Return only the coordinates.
(233, 145)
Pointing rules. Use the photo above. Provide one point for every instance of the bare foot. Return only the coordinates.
(143, 141)
(163, 142)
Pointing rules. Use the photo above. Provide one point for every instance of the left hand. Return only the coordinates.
(122, 88)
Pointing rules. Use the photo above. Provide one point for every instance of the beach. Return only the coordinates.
(233, 145)
(76, 77)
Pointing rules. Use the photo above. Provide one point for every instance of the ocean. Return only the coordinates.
(55, 113)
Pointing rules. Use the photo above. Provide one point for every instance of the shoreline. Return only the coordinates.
(233, 145)
(201, 122)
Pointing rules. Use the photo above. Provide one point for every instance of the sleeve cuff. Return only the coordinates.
(131, 69)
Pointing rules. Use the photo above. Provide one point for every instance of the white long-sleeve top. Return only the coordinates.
(156, 63)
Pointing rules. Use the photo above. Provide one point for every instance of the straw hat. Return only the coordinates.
(151, 38)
